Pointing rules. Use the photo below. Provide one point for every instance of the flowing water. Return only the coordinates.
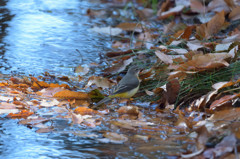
(43, 35)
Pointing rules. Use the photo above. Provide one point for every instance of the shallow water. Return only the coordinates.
(43, 35)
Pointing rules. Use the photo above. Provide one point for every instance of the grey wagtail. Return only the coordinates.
(127, 86)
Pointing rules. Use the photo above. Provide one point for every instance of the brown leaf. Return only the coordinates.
(131, 110)
(100, 82)
(197, 6)
(187, 32)
(205, 62)
(23, 114)
(226, 115)
(135, 27)
(173, 88)
(215, 24)
(222, 101)
(49, 92)
(235, 14)
(119, 53)
(67, 94)
(201, 31)
(119, 67)
(85, 111)
(171, 12)
(218, 6)
(221, 85)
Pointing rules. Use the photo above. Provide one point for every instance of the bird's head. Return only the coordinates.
(134, 70)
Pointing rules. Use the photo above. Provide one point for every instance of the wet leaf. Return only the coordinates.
(49, 103)
(107, 30)
(85, 111)
(23, 114)
(49, 92)
(82, 69)
(119, 53)
(67, 94)
(115, 138)
(131, 110)
(100, 82)
(135, 27)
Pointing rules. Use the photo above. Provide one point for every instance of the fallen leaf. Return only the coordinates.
(8, 111)
(49, 92)
(82, 69)
(171, 12)
(67, 94)
(49, 103)
(131, 110)
(165, 58)
(215, 24)
(218, 6)
(119, 67)
(100, 82)
(118, 53)
(135, 27)
(235, 14)
(85, 111)
(222, 101)
(173, 88)
(114, 138)
(106, 30)
(197, 6)
(23, 114)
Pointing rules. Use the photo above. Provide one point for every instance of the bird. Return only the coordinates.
(127, 86)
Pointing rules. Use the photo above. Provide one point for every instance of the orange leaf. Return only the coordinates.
(67, 94)
(40, 84)
(2, 84)
(85, 111)
(23, 114)
(58, 85)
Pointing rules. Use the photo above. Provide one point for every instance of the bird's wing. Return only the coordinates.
(126, 86)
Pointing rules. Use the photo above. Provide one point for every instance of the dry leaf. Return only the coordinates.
(131, 110)
(165, 58)
(135, 27)
(235, 14)
(215, 24)
(197, 6)
(173, 88)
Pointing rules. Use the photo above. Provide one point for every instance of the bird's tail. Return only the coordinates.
(105, 100)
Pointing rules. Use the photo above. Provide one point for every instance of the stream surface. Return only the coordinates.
(42, 35)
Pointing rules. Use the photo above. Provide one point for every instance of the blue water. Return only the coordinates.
(43, 35)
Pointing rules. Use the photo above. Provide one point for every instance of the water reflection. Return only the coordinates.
(44, 34)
